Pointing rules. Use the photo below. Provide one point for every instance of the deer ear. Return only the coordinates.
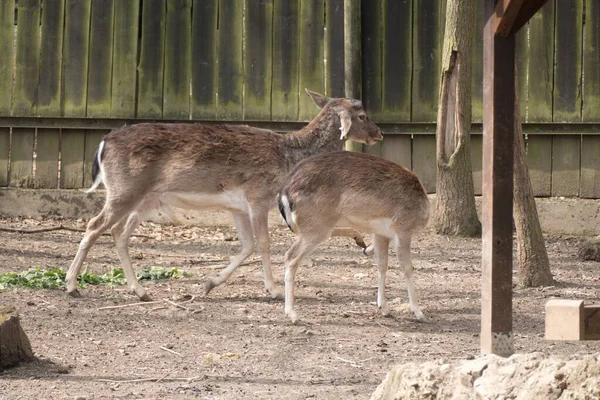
(346, 122)
(318, 98)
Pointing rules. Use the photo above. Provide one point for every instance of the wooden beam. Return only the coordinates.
(506, 14)
(497, 206)
(529, 8)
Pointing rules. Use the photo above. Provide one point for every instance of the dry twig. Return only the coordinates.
(170, 351)
(60, 228)
(142, 303)
(177, 305)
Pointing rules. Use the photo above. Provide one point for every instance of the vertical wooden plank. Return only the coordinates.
(93, 137)
(72, 147)
(125, 57)
(311, 55)
(423, 160)
(75, 57)
(522, 61)
(285, 97)
(538, 77)
(397, 60)
(567, 75)
(477, 71)
(334, 48)
(176, 98)
(258, 33)
(428, 17)
(53, 19)
(590, 166)
(204, 45)
(566, 164)
(477, 161)
(4, 152)
(21, 157)
(591, 63)
(46, 161)
(371, 29)
(230, 72)
(151, 65)
(398, 149)
(101, 58)
(7, 23)
(28, 58)
(374, 149)
(539, 163)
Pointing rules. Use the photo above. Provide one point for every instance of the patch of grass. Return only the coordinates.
(38, 278)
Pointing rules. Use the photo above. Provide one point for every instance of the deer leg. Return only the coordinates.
(244, 231)
(351, 233)
(381, 245)
(260, 225)
(405, 260)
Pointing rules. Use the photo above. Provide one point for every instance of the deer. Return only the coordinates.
(237, 168)
(359, 191)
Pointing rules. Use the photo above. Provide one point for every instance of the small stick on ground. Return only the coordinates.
(60, 228)
(192, 379)
(170, 351)
(142, 303)
(177, 305)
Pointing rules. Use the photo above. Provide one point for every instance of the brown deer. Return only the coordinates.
(359, 191)
(230, 167)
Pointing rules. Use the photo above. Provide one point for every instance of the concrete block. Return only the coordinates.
(564, 320)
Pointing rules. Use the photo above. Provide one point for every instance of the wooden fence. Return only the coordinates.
(71, 70)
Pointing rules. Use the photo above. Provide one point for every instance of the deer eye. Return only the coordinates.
(362, 117)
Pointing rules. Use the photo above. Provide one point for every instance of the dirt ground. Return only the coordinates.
(236, 343)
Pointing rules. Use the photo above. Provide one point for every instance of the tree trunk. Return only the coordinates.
(455, 213)
(14, 344)
(532, 257)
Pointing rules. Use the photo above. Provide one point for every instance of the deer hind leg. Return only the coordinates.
(405, 261)
(302, 247)
(381, 245)
(111, 213)
(244, 231)
(260, 227)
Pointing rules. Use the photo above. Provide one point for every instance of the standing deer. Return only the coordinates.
(359, 191)
(230, 167)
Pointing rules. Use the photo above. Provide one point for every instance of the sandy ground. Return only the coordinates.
(236, 343)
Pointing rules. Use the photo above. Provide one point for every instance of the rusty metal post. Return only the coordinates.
(497, 206)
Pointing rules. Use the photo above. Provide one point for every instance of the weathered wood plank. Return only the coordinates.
(4, 153)
(176, 98)
(204, 40)
(7, 24)
(566, 163)
(522, 61)
(53, 19)
(230, 72)
(28, 58)
(371, 30)
(397, 61)
(75, 57)
(258, 33)
(285, 97)
(423, 160)
(590, 167)
(93, 137)
(397, 149)
(374, 149)
(152, 57)
(21, 157)
(539, 162)
(72, 147)
(540, 66)
(427, 31)
(46, 161)
(334, 48)
(591, 63)
(567, 74)
(125, 58)
(477, 71)
(311, 55)
(101, 58)
(477, 163)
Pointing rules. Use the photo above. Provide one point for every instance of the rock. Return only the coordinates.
(14, 344)
(521, 376)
